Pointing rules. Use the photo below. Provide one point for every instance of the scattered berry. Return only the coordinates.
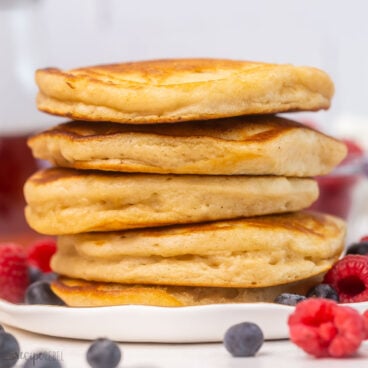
(9, 350)
(358, 248)
(42, 359)
(323, 291)
(243, 339)
(349, 277)
(323, 328)
(40, 253)
(14, 277)
(364, 238)
(40, 293)
(289, 299)
(103, 353)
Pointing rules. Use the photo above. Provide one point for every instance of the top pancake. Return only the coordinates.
(246, 145)
(159, 91)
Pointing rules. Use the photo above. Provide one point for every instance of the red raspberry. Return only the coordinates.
(14, 278)
(349, 277)
(363, 239)
(323, 328)
(40, 253)
(365, 319)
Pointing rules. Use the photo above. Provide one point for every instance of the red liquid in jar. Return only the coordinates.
(16, 165)
(336, 189)
(335, 196)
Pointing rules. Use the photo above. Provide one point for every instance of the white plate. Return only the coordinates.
(132, 323)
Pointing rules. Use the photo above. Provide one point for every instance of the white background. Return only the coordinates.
(330, 34)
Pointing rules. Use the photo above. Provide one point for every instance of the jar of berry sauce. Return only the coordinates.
(16, 165)
(337, 188)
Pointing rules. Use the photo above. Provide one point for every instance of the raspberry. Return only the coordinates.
(364, 239)
(40, 253)
(349, 277)
(323, 328)
(14, 278)
(365, 319)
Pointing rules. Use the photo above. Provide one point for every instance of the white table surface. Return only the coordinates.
(273, 354)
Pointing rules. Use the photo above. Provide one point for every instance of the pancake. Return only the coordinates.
(80, 293)
(67, 201)
(249, 253)
(165, 91)
(234, 146)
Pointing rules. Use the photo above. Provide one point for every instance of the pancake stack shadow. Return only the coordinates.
(176, 184)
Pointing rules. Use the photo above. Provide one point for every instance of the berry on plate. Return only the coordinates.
(323, 328)
(14, 277)
(34, 274)
(289, 299)
(39, 254)
(365, 319)
(349, 277)
(358, 248)
(103, 353)
(40, 293)
(243, 339)
(323, 291)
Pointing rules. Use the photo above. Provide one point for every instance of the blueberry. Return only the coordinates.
(243, 339)
(289, 299)
(103, 353)
(9, 350)
(42, 359)
(34, 274)
(323, 291)
(40, 293)
(358, 248)
(48, 276)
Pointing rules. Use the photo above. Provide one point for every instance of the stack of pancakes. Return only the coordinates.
(175, 184)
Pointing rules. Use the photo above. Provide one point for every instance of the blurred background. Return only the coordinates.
(332, 35)
(329, 34)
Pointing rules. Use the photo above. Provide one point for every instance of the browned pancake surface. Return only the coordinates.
(244, 145)
(159, 91)
(67, 201)
(251, 252)
(80, 293)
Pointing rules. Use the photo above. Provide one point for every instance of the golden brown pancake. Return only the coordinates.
(165, 91)
(244, 145)
(67, 201)
(81, 293)
(255, 252)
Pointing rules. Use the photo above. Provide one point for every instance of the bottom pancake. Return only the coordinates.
(80, 293)
(247, 253)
